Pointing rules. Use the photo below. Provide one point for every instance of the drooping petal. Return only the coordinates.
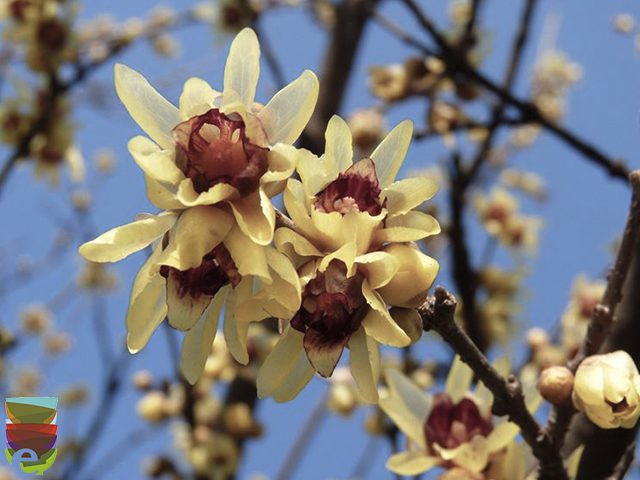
(255, 216)
(154, 162)
(292, 243)
(411, 463)
(364, 356)
(188, 197)
(249, 257)
(407, 405)
(279, 363)
(323, 353)
(378, 322)
(288, 112)
(235, 333)
(151, 111)
(120, 242)
(339, 147)
(242, 69)
(407, 194)
(197, 98)
(198, 231)
(389, 155)
(458, 380)
(147, 306)
(160, 195)
(409, 227)
(301, 373)
(379, 268)
(196, 345)
(286, 288)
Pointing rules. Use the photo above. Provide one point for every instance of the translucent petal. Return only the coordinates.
(147, 306)
(379, 268)
(411, 463)
(255, 216)
(323, 352)
(286, 287)
(120, 242)
(161, 196)
(458, 380)
(242, 69)
(389, 155)
(501, 436)
(407, 194)
(188, 197)
(378, 322)
(409, 227)
(338, 147)
(198, 231)
(154, 162)
(313, 172)
(301, 373)
(280, 362)
(235, 333)
(196, 345)
(411, 405)
(286, 115)
(364, 356)
(249, 257)
(197, 98)
(151, 111)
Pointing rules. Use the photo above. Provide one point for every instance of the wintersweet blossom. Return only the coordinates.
(607, 390)
(349, 247)
(452, 429)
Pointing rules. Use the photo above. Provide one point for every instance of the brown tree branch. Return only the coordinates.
(437, 315)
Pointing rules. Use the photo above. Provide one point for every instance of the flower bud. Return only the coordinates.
(143, 380)
(556, 384)
(151, 407)
(416, 272)
(607, 390)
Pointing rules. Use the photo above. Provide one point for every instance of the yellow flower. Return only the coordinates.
(451, 430)
(219, 147)
(607, 390)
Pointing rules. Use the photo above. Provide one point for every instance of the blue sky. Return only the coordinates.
(585, 213)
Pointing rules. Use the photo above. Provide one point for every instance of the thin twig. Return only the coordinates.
(437, 314)
(302, 441)
(603, 316)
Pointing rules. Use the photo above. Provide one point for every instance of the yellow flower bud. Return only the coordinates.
(607, 390)
(416, 272)
(151, 406)
(556, 384)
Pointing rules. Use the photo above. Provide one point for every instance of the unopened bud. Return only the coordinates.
(556, 384)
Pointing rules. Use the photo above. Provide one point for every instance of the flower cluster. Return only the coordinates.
(341, 270)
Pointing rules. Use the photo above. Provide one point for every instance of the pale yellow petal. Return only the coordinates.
(242, 69)
(120, 242)
(378, 322)
(197, 98)
(409, 227)
(198, 231)
(501, 436)
(147, 306)
(282, 163)
(411, 463)
(154, 162)
(292, 243)
(196, 345)
(389, 155)
(379, 268)
(288, 112)
(301, 373)
(313, 172)
(364, 357)
(407, 194)
(286, 287)
(280, 362)
(161, 195)
(151, 111)
(255, 216)
(573, 462)
(75, 163)
(338, 147)
(458, 380)
(346, 254)
(188, 197)
(296, 204)
(249, 257)
(235, 333)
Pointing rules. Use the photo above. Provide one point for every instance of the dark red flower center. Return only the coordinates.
(331, 304)
(357, 189)
(216, 270)
(450, 425)
(213, 148)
